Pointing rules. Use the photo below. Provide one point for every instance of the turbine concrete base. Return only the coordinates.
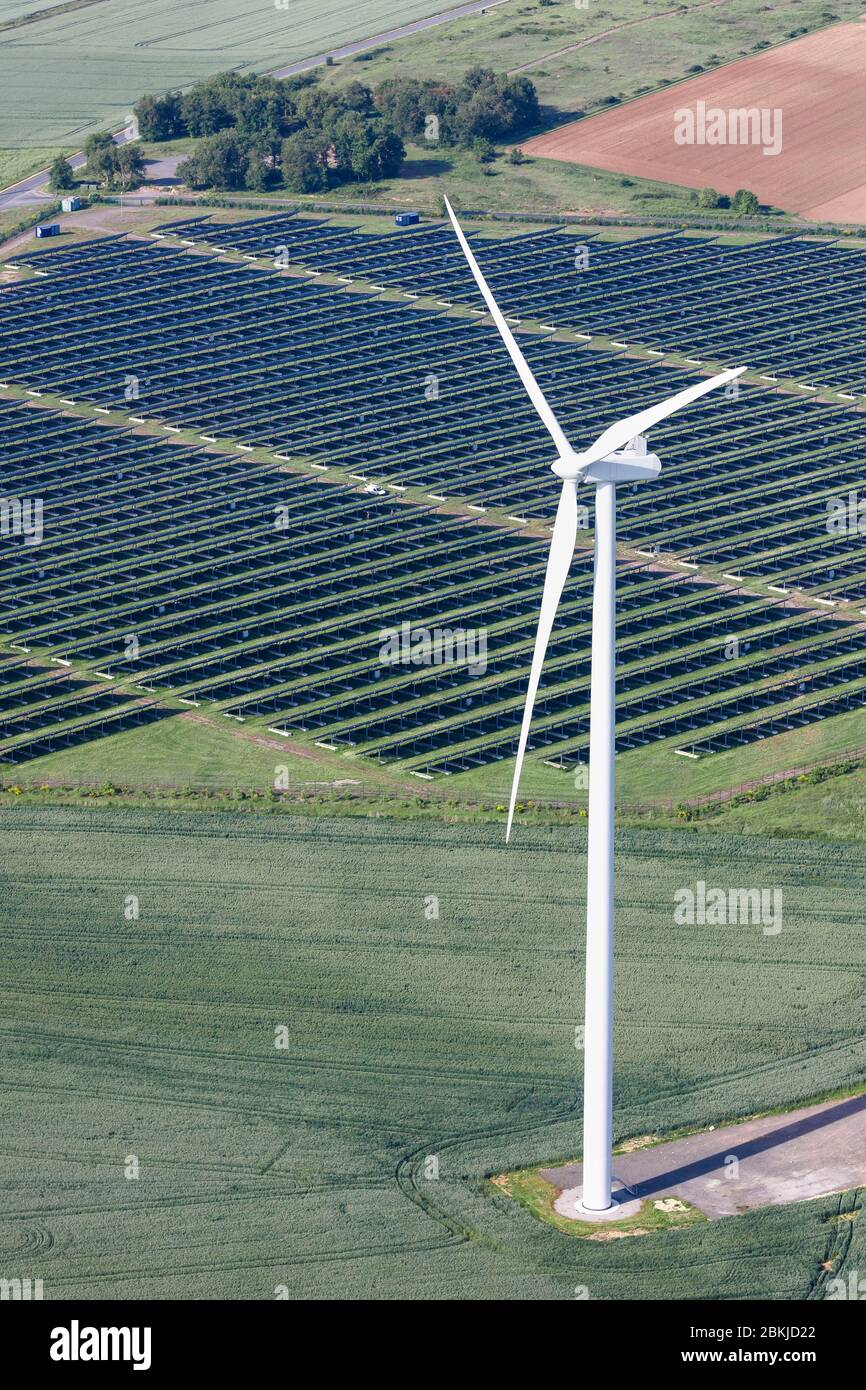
(623, 1206)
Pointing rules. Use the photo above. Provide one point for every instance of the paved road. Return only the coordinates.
(781, 1158)
(32, 191)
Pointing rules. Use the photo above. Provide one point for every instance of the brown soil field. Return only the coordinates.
(817, 86)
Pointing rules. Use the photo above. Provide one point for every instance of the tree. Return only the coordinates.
(113, 166)
(260, 122)
(524, 100)
(484, 106)
(248, 125)
(359, 97)
(160, 118)
(367, 150)
(708, 198)
(220, 161)
(205, 110)
(474, 80)
(304, 166)
(408, 103)
(61, 176)
(494, 109)
(261, 174)
(745, 202)
(319, 108)
(389, 151)
(129, 166)
(99, 153)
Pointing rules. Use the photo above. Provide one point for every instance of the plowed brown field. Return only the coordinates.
(817, 83)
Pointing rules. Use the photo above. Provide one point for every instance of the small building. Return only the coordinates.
(70, 204)
(48, 229)
(407, 219)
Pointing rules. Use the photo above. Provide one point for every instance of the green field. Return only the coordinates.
(17, 164)
(84, 66)
(536, 186)
(409, 1038)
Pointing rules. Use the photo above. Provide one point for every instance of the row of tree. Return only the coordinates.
(354, 148)
(743, 201)
(484, 106)
(255, 132)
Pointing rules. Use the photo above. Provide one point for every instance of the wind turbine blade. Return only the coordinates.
(620, 434)
(558, 565)
(534, 391)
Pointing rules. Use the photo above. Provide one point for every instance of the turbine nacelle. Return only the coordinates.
(630, 465)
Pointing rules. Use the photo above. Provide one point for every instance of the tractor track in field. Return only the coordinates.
(406, 1174)
(192, 1103)
(12, 990)
(193, 1200)
(276, 1259)
(838, 1245)
(433, 1072)
(406, 1169)
(706, 1084)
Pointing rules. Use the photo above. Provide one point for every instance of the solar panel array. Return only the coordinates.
(171, 573)
(788, 305)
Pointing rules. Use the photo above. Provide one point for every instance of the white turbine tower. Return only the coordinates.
(619, 455)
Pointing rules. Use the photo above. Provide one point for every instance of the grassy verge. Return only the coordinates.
(19, 164)
(653, 776)
(537, 1195)
(536, 186)
(830, 806)
(542, 187)
(210, 763)
(17, 220)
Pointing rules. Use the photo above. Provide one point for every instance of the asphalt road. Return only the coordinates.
(31, 191)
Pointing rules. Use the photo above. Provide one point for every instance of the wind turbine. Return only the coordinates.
(619, 455)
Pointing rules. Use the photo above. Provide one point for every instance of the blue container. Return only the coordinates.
(407, 219)
(48, 229)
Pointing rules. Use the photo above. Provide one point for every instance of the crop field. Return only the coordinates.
(416, 1054)
(68, 69)
(815, 165)
(273, 598)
